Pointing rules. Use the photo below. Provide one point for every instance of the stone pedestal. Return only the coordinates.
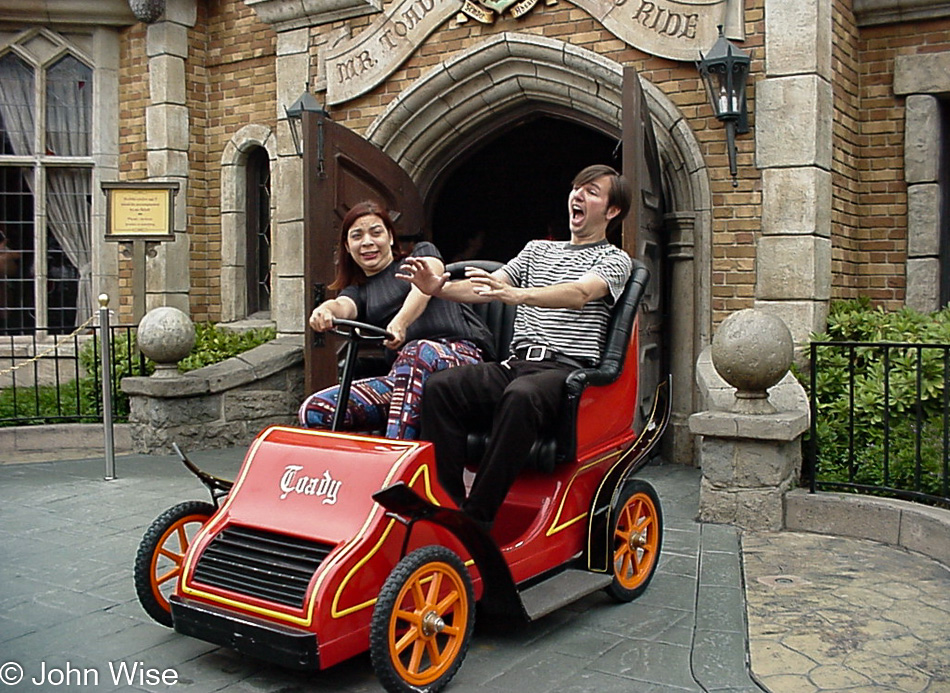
(750, 433)
(749, 462)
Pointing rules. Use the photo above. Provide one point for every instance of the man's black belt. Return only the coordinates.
(540, 352)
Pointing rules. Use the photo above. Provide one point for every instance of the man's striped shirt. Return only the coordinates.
(579, 333)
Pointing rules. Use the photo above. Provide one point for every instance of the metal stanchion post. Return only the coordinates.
(105, 343)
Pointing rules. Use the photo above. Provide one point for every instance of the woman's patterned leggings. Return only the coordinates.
(395, 398)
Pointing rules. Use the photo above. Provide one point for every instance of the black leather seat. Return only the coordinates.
(499, 318)
(560, 445)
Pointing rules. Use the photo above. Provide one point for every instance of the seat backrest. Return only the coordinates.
(499, 317)
(616, 346)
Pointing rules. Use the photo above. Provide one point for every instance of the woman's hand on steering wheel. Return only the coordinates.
(353, 329)
(321, 319)
(398, 332)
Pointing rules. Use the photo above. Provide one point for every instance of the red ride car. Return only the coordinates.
(328, 544)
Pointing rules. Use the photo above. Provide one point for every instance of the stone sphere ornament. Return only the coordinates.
(752, 351)
(166, 335)
(147, 11)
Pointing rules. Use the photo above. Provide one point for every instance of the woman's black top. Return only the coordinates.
(381, 297)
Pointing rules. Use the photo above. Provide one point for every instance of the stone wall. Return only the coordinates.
(221, 405)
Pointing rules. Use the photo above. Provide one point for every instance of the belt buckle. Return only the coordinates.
(536, 352)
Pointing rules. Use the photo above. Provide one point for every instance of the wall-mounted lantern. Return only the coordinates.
(725, 69)
(304, 102)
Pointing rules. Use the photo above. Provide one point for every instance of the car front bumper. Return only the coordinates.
(288, 647)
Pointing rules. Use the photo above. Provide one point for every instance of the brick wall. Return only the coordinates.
(133, 98)
(846, 254)
(883, 209)
(239, 81)
(231, 76)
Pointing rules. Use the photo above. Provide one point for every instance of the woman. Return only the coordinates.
(434, 334)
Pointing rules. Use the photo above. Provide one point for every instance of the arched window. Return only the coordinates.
(45, 194)
(258, 232)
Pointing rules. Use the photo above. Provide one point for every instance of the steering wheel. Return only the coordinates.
(356, 330)
(355, 333)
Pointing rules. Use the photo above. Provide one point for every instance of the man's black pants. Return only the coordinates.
(517, 402)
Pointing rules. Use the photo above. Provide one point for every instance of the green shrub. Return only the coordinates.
(863, 462)
(76, 400)
(80, 399)
(213, 344)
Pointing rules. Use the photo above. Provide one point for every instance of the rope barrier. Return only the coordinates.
(50, 350)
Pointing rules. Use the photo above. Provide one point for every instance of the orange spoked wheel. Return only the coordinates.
(422, 622)
(158, 562)
(637, 524)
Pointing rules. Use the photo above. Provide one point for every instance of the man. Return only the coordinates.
(563, 292)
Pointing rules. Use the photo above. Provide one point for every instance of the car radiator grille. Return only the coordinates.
(262, 564)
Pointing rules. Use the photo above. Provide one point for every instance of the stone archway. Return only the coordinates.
(464, 100)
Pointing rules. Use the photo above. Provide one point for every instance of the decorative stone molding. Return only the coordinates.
(926, 73)
(793, 268)
(800, 201)
(168, 138)
(67, 12)
(789, 27)
(871, 12)
(492, 78)
(291, 14)
(793, 122)
(793, 147)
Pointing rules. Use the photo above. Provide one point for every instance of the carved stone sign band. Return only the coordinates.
(674, 29)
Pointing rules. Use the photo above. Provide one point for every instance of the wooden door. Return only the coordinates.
(643, 236)
(340, 169)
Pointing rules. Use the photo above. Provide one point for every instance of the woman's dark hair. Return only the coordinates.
(619, 195)
(347, 271)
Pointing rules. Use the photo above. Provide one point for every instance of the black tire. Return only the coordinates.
(422, 622)
(636, 523)
(158, 560)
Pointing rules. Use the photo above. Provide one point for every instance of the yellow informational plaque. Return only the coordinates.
(140, 211)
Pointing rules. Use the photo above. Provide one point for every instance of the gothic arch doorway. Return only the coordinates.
(510, 80)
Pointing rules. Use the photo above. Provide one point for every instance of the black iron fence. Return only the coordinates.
(58, 379)
(880, 420)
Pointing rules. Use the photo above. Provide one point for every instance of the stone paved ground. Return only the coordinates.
(833, 614)
(825, 613)
(67, 541)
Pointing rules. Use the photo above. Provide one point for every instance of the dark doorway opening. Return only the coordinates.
(514, 189)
